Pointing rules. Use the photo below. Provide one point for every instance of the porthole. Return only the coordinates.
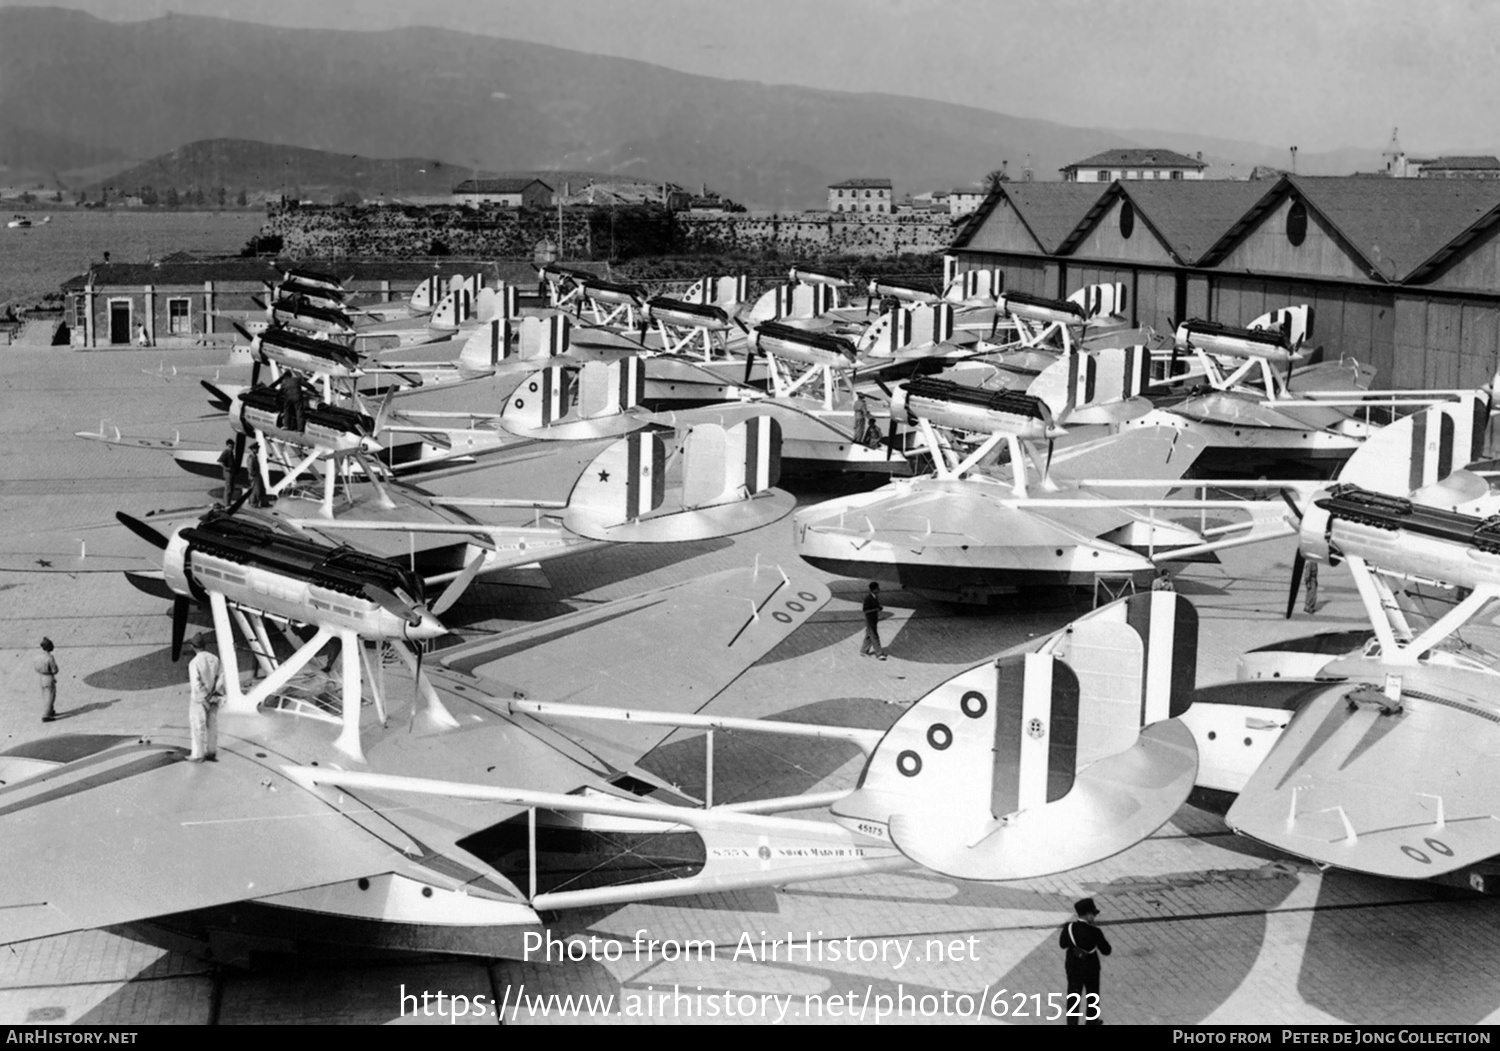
(909, 763)
(939, 736)
(1127, 220)
(1296, 223)
(973, 704)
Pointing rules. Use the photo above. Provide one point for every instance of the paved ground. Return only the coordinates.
(1207, 927)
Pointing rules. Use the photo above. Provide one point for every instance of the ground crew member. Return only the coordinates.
(873, 608)
(291, 400)
(45, 666)
(1082, 943)
(230, 467)
(206, 686)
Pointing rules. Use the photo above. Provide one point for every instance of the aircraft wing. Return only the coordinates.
(1413, 795)
(177, 836)
(672, 650)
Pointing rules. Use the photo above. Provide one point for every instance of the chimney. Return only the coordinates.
(1200, 155)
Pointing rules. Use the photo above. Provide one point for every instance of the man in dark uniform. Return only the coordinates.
(872, 609)
(230, 466)
(292, 404)
(1082, 943)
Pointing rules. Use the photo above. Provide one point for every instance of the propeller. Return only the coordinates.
(399, 602)
(1299, 563)
(151, 536)
(458, 586)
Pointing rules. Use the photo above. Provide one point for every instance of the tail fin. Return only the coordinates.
(606, 388)
(542, 398)
(1422, 448)
(548, 337)
(718, 291)
(489, 345)
(1094, 378)
(497, 302)
(454, 309)
(624, 482)
(1295, 323)
(428, 293)
(920, 326)
(1046, 761)
(795, 301)
(974, 284)
(722, 465)
(1102, 300)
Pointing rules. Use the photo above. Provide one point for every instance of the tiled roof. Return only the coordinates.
(1050, 210)
(861, 184)
(1138, 158)
(196, 272)
(496, 185)
(1403, 229)
(1191, 216)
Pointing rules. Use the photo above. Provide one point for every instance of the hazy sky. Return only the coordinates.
(1319, 74)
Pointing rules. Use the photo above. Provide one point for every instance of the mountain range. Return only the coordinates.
(82, 99)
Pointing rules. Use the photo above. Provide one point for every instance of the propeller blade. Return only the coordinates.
(454, 591)
(890, 436)
(1298, 564)
(1286, 495)
(402, 606)
(242, 330)
(142, 530)
(179, 623)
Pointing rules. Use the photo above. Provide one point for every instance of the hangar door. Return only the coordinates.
(1445, 342)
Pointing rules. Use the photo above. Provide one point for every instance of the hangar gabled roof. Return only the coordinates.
(1050, 210)
(1402, 229)
(1187, 216)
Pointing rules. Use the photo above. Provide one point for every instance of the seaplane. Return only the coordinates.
(975, 529)
(1247, 413)
(507, 785)
(1378, 759)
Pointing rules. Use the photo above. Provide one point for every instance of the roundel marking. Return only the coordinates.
(1437, 846)
(1416, 855)
(973, 704)
(782, 618)
(807, 596)
(909, 763)
(795, 607)
(939, 736)
(532, 386)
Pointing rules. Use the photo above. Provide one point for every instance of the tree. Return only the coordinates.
(240, 198)
(148, 196)
(221, 194)
(173, 200)
(993, 180)
(349, 199)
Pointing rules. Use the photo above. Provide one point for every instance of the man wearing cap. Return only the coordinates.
(206, 681)
(1082, 943)
(45, 667)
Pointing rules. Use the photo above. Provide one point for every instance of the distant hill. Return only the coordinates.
(261, 169)
(143, 89)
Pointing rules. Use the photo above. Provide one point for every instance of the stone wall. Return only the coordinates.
(805, 235)
(595, 233)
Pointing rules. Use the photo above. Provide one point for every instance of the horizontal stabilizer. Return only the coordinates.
(1423, 448)
(1096, 379)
